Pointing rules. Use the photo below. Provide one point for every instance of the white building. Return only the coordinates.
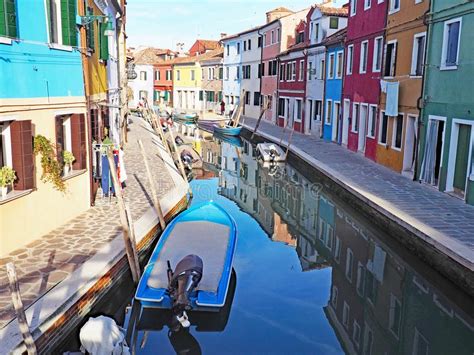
(232, 71)
(142, 86)
(323, 21)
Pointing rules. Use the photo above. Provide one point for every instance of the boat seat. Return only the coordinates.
(208, 240)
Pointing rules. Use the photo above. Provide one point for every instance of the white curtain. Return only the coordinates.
(429, 158)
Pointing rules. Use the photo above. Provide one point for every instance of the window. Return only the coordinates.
(420, 344)
(103, 42)
(368, 340)
(201, 95)
(298, 110)
(301, 72)
(61, 22)
(143, 75)
(300, 37)
(398, 132)
(256, 98)
(178, 74)
(278, 35)
(237, 74)
(350, 55)
(395, 315)
(331, 66)
(360, 282)
(192, 75)
(394, 6)
(282, 72)
(353, 7)
(261, 70)
(221, 73)
(390, 59)
(247, 98)
(245, 46)
(349, 264)
(383, 128)
(337, 249)
(143, 94)
(293, 71)
(157, 75)
(272, 37)
(281, 107)
(259, 42)
(355, 117)
(169, 75)
(367, 4)
(363, 57)
(246, 72)
(451, 38)
(334, 23)
(418, 55)
(272, 68)
(288, 71)
(249, 46)
(227, 49)
(8, 19)
(238, 48)
(371, 122)
(340, 55)
(316, 33)
(310, 70)
(70, 136)
(226, 73)
(5, 145)
(345, 315)
(322, 68)
(334, 295)
(377, 60)
(327, 119)
(356, 333)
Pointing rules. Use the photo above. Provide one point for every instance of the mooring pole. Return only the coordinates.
(19, 309)
(258, 121)
(289, 143)
(133, 239)
(154, 195)
(123, 220)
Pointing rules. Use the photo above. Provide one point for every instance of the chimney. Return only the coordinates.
(223, 35)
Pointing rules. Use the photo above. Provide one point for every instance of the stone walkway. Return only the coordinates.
(446, 219)
(47, 261)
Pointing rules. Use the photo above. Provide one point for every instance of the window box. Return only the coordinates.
(13, 195)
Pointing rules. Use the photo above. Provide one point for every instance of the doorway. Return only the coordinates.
(411, 142)
(345, 121)
(433, 154)
(362, 127)
(336, 121)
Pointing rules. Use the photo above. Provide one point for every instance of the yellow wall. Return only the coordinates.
(185, 75)
(44, 209)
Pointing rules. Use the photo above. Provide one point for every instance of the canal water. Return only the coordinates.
(312, 275)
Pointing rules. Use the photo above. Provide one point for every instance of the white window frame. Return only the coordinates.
(58, 23)
(370, 120)
(7, 143)
(367, 348)
(377, 50)
(367, 4)
(416, 338)
(391, 8)
(346, 310)
(394, 132)
(334, 296)
(67, 137)
(349, 265)
(293, 71)
(381, 114)
(295, 111)
(354, 118)
(353, 7)
(168, 74)
(339, 60)
(444, 51)
(355, 326)
(178, 75)
(332, 63)
(414, 56)
(394, 54)
(391, 322)
(349, 59)
(366, 52)
(327, 118)
(301, 73)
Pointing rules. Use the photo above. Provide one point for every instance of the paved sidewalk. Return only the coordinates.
(448, 222)
(44, 263)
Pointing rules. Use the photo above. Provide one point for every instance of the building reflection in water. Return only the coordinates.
(379, 302)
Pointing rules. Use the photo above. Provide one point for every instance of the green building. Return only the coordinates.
(447, 128)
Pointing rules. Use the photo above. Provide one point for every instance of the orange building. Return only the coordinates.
(405, 42)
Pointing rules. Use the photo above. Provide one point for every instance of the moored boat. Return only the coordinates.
(186, 118)
(271, 152)
(227, 130)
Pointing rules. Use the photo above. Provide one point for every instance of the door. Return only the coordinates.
(433, 153)
(362, 127)
(336, 121)
(410, 146)
(345, 121)
(462, 159)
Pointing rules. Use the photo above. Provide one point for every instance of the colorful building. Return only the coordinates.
(405, 40)
(212, 73)
(232, 71)
(37, 99)
(202, 46)
(163, 80)
(334, 45)
(292, 83)
(323, 21)
(446, 140)
(361, 91)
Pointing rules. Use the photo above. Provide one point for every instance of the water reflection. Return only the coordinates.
(380, 301)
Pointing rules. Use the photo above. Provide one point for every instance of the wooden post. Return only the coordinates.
(240, 108)
(289, 143)
(175, 148)
(133, 240)
(258, 121)
(20, 311)
(123, 219)
(156, 201)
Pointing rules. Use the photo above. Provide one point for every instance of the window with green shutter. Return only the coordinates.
(90, 31)
(68, 22)
(201, 95)
(8, 18)
(104, 41)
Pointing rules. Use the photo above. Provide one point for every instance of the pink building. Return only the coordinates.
(361, 90)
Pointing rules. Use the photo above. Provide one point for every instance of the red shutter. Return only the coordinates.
(59, 120)
(78, 138)
(22, 154)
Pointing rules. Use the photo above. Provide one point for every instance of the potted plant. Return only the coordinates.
(68, 159)
(7, 177)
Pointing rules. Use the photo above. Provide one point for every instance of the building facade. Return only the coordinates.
(212, 74)
(361, 91)
(403, 66)
(163, 84)
(232, 71)
(446, 141)
(38, 102)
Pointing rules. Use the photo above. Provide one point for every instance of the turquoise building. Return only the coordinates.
(447, 128)
(334, 44)
(41, 94)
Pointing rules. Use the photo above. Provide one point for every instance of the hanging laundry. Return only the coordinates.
(383, 86)
(106, 178)
(391, 106)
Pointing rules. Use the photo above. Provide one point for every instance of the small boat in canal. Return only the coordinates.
(228, 130)
(185, 117)
(271, 152)
(200, 244)
(235, 141)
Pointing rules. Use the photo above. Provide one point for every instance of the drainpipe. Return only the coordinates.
(420, 99)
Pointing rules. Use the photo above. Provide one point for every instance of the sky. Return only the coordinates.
(163, 23)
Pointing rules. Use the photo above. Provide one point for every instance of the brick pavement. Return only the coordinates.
(446, 219)
(48, 260)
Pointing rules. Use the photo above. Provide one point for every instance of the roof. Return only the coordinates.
(327, 9)
(150, 55)
(280, 9)
(207, 44)
(243, 32)
(216, 53)
(337, 37)
(294, 48)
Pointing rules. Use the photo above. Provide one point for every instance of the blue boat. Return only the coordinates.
(185, 118)
(235, 141)
(227, 130)
(200, 245)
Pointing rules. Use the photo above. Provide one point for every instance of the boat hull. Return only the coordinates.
(227, 130)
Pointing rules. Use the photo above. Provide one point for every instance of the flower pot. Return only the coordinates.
(66, 170)
(4, 191)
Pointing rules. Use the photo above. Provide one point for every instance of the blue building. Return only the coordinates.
(41, 94)
(332, 130)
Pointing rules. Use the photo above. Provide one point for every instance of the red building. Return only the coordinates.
(292, 83)
(202, 46)
(361, 90)
(163, 83)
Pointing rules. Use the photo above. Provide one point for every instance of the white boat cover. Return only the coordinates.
(102, 336)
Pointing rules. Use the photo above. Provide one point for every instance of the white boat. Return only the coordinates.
(271, 152)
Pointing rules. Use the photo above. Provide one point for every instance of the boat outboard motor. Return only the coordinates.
(178, 140)
(181, 283)
(187, 159)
